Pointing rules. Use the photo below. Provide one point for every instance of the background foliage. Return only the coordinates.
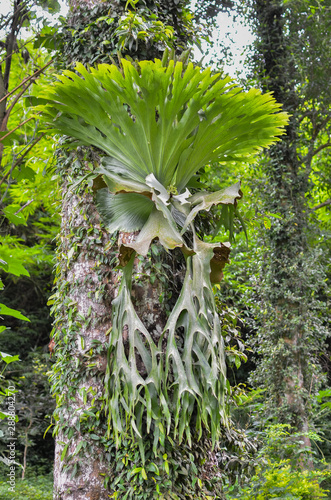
(250, 449)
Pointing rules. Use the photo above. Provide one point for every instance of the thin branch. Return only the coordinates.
(18, 8)
(24, 206)
(321, 125)
(15, 51)
(17, 21)
(10, 44)
(305, 115)
(311, 153)
(18, 126)
(17, 98)
(12, 104)
(5, 22)
(324, 204)
(323, 146)
(20, 159)
(36, 73)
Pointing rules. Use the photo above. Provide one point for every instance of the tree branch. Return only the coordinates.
(323, 146)
(12, 104)
(36, 73)
(18, 126)
(308, 158)
(320, 126)
(20, 159)
(24, 206)
(305, 115)
(15, 51)
(324, 204)
(9, 17)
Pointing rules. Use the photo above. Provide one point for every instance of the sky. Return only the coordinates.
(238, 32)
(6, 7)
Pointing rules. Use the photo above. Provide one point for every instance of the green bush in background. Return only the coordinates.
(33, 488)
(279, 480)
(280, 474)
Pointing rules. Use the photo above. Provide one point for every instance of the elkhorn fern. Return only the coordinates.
(159, 125)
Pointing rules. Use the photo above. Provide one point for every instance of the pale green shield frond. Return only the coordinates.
(124, 211)
(215, 256)
(205, 200)
(159, 120)
(157, 226)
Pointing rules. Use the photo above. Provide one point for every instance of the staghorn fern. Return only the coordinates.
(159, 125)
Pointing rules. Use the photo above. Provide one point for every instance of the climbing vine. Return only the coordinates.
(291, 279)
(141, 30)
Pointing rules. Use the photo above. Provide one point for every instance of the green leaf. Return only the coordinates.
(95, 437)
(8, 358)
(24, 173)
(14, 218)
(10, 264)
(7, 311)
(48, 38)
(136, 470)
(276, 216)
(8, 141)
(267, 222)
(4, 415)
(64, 452)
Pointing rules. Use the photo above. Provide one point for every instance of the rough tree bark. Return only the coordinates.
(86, 286)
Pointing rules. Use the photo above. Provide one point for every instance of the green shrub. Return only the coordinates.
(33, 488)
(279, 480)
(279, 473)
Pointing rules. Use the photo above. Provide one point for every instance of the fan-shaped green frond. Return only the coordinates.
(159, 120)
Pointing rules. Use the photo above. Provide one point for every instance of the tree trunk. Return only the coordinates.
(86, 285)
(285, 370)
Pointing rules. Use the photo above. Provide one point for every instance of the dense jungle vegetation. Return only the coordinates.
(165, 252)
